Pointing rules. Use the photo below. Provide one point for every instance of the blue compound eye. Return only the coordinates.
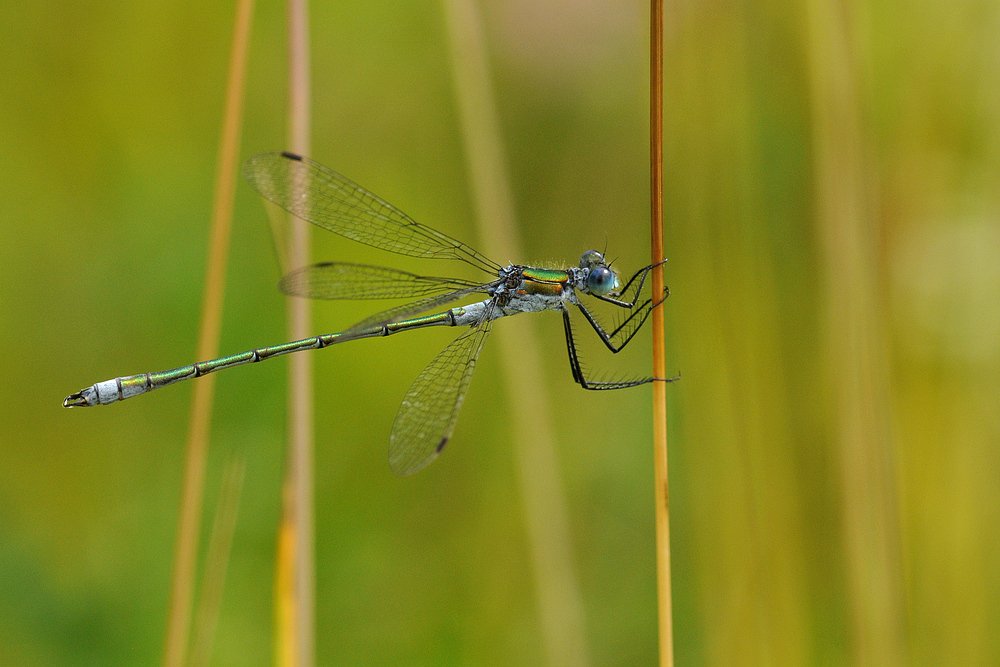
(601, 280)
(590, 259)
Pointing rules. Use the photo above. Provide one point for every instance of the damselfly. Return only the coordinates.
(427, 415)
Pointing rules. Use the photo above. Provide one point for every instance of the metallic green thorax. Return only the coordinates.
(548, 282)
(546, 275)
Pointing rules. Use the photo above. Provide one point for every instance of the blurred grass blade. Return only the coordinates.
(856, 347)
(216, 562)
(295, 574)
(186, 548)
(560, 606)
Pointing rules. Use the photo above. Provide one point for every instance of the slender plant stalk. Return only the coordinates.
(186, 548)
(857, 357)
(544, 505)
(664, 595)
(295, 578)
(216, 562)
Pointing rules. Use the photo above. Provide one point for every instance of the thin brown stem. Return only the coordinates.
(664, 595)
(182, 586)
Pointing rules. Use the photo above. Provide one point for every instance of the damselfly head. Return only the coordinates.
(601, 281)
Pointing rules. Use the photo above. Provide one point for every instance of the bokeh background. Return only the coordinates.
(832, 227)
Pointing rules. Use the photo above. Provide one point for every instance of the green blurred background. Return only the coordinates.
(789, 546)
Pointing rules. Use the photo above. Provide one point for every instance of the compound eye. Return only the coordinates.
(590, 259)
(601, 280)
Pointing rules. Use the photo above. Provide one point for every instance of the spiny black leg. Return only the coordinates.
(641, 312)
(574, 360)
(644, 311)
(641, 276)
(630, 301)
(578, 377)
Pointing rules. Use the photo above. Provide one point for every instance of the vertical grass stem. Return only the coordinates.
(295, 579)
(186, 549)
(560, 606)
(664, 595)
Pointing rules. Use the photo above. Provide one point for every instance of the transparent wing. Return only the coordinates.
(428, 413)
(408, 310)
(343, 280)
(315, 193)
